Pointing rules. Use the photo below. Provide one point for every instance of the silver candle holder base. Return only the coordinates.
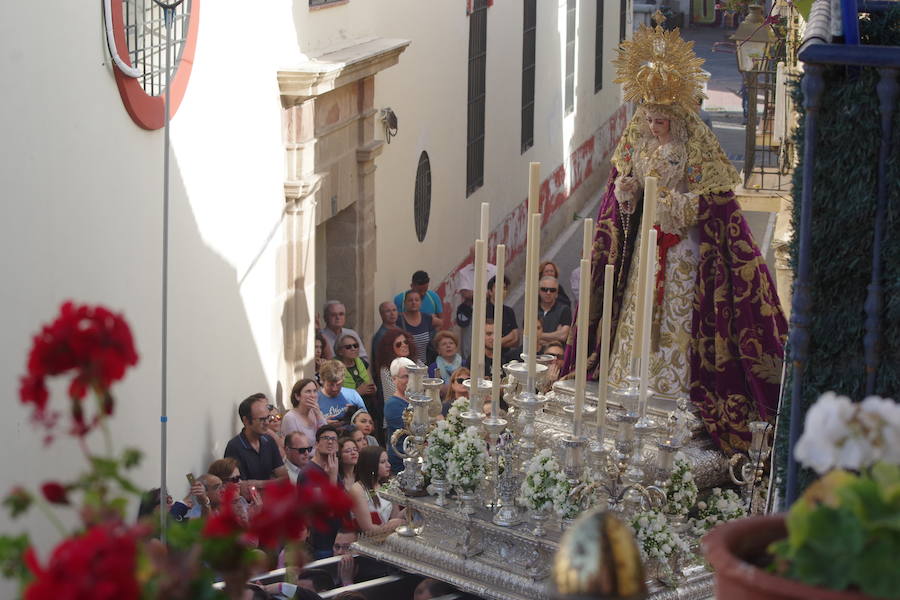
(477, 396)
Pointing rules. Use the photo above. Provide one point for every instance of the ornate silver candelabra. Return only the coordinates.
(528, 404)
(415, 427)
(507, 514)
(616, 485)
(493, 427)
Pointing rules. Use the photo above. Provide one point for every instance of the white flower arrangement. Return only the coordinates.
(454, 415)
(840, 434)
(655, 538)
(681, 493)
(545, 485)
(440, 442)
(720, 506)
(466, 460)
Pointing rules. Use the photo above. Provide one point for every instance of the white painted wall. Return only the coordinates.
(82, 220)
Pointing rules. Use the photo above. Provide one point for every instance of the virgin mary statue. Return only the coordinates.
(718, 331)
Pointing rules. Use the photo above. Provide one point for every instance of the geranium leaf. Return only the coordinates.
(875, 569)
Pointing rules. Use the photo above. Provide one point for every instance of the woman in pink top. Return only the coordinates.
(305, 417)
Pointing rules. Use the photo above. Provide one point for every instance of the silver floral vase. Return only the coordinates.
(468, 500)
(539, 518)
(439, 487)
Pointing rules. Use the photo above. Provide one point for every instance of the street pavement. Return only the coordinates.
(724, 109)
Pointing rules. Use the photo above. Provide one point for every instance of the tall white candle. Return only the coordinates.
(485, 222)
(648, 217)
(478, 308)
(535, 241)
(588, 241)
(530, 289)
(584, 309)
(534, 177)
(647, 319)
(605, 343)
(534, 184)
(499, 293)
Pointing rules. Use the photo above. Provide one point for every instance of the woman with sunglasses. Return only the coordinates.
(356, 371)
(457, 389)
(273, 428)
(348, 455)
(228, 471)
(395, 343)
(305, 417)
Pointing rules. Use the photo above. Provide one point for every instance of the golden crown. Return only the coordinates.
(659, 67)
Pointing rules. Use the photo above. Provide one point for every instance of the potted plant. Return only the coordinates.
(841, 539)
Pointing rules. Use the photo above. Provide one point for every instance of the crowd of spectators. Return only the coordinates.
(341, 421)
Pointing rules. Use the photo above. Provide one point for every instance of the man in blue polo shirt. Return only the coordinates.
(431, 302)
(256, 453)
(334, 398)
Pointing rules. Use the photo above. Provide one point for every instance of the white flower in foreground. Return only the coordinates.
(838, 433)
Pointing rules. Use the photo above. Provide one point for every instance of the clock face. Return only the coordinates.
(142, 36)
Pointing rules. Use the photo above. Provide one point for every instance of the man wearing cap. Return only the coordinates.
(431, 302)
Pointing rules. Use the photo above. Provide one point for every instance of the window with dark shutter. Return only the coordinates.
(529, 42)
(422, 199)
(571, 14)
(477, 64)
(598, 49)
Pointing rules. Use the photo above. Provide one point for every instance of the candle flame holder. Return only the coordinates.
(751, 473)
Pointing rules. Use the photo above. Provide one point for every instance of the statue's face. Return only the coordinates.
(659, 127)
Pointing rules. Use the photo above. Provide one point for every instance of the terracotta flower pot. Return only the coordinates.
(734, 548)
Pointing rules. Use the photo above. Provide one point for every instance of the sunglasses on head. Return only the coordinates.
(548, 289)
(351, 346)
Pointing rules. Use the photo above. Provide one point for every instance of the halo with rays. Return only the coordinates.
(659, 67)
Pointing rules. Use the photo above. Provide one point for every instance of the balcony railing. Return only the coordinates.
(817, 53)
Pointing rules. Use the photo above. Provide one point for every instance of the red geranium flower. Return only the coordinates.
(94, 342)
(55, 493)
(98, 565)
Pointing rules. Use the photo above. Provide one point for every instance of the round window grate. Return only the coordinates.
(422, 200)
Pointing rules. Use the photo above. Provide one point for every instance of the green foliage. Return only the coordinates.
(12, 563)
(844, 197)
(850, 543)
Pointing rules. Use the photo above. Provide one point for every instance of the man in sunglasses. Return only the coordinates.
(297, 450)
(556, 317)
